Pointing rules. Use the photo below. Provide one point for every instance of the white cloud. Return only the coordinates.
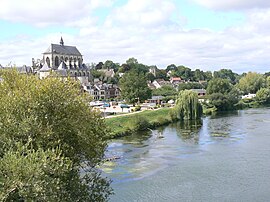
(144, 30)
(142, 13)
(234, 4)
(44, 13)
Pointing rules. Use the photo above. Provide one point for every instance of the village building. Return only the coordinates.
(158, 83)
(176, 80)
(200, 92)
(64, 61)
(103, 91)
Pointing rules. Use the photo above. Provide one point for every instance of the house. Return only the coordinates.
(176, 80)
(158, 83)
(155, 100)
(200, 92)
(103, 91)
(249, 96)
(108, 72)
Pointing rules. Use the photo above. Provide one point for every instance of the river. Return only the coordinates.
(221, 158)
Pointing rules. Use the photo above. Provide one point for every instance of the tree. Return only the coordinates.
(171, 67)
(134, 87)
(53, 114)
(165, 90)
(263, 96)
(218, 85)
(99, 65)
(161, 74)
(150, 77)
(33, 175)
(251, 82)
(132, 61)
(223, 95)
(188, 106)
(226, 74)
(190, 85)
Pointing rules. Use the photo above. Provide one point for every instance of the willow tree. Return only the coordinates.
(187, 106)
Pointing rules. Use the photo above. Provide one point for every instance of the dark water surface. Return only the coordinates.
(190, 164)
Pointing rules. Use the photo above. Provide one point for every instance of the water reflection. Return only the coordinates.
(188, 130)
(145, 153)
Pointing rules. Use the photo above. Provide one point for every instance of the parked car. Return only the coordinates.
(124, 106)
(106, 105)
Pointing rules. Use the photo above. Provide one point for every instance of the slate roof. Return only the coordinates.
(45, 68)
(62, 49)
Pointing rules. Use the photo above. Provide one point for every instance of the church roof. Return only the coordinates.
(45, 68)
(62, 66)
(62, 49)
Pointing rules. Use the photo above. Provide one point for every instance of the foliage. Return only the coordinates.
(33, 175)
(150, 77)
(226, 74)
(98, 74)
(263, 96)
(188, 106)
(225, 101)
(190, 85)
(139, 123)
(218, 85)
(251, 82)
(120, 126)
(54, 113)
(165, 90)
(161, 74)
(134, 86)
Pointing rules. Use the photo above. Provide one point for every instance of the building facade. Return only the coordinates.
(65, 61)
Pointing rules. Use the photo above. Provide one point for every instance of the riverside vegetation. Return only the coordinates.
(51, 141)
(187, 108)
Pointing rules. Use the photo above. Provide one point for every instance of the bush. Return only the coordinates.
(137, 108)
(139, 124)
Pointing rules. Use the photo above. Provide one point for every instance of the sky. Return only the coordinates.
(205, 34)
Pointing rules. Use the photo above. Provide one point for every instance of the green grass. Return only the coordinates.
(124, 125)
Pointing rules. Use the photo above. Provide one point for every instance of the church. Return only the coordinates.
(64, 61)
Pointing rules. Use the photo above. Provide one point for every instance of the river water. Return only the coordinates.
(221, 158)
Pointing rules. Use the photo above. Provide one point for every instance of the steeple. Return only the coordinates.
(61, 41)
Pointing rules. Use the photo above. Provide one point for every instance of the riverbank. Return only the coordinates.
(125, 125)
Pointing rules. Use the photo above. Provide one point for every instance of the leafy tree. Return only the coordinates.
(218, 85)
(187, 106)
(263, 96)
(150, 77)
(224, 102)
(268, 82)
(165, 90)
(190, 85)
(33, 175)
(53, 114)
(171, 67)
(134, 86)
(198, 75)
(251, 82)
(99, 65)
(97, 74)
(226, 74)
(161, 74)
(208, 75)
(132, 61)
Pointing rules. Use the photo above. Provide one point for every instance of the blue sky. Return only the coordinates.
(205, 34)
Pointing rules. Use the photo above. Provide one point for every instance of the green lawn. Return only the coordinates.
(123, 125)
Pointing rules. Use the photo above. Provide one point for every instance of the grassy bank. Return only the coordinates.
(124, 125)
